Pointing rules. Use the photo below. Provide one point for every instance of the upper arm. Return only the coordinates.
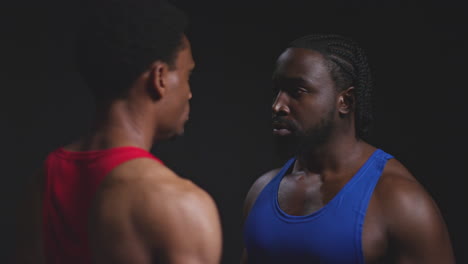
(416, 228)
(182, 226)
(28, 220)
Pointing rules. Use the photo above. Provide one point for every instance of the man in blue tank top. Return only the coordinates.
(337, 199)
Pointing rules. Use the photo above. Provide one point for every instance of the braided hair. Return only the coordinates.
(348, 67)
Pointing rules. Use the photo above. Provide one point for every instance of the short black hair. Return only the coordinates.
(348, 67)
(119, 39)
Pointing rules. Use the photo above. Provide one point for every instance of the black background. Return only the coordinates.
(417, 53)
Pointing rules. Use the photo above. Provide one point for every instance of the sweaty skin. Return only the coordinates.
(142, 212)
(403, 224)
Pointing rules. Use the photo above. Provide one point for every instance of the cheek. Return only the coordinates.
(182, 96)
(181, 85)
(305, 109)
(308, 113)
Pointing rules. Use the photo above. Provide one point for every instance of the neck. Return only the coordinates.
(337, 156)
(123, 122)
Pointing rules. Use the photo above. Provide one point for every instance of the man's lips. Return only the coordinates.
(281, 129)
(281, 132)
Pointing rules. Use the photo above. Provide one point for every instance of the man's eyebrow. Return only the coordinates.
(291, 80)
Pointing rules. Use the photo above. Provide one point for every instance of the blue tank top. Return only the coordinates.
(331, 235)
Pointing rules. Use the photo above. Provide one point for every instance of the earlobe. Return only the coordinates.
(346, 101)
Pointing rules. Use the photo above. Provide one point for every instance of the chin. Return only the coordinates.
(286, 146)
(169, 136)
(177, 134)
(181, 132)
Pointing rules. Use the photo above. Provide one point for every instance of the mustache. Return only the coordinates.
(286, 123)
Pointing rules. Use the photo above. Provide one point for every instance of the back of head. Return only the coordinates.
(119, 40)
(348, 67)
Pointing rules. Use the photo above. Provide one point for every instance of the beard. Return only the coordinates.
(301, 142)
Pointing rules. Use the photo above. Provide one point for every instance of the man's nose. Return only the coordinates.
(280, 106)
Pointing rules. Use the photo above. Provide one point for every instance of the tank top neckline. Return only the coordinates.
(308, 217)
(62, 152)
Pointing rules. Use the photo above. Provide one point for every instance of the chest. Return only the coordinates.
(301, 196)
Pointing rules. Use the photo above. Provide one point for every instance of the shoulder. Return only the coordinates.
(165, 191)
(173, 208)
(148, 184)
(263, 180)
(411, 216)
(257, 188)
(399, 190)
(174, 216)
(401, 195)
(146, 202)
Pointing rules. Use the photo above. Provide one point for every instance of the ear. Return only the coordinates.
(346, 101)
(158, 79)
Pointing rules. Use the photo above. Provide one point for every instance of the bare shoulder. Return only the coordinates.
(149, 181)
(174, 216)
(263, 180)
(144, 177)
(412, 218)
(398, 189)
(257, 188)
(161, 189)
(148, 208)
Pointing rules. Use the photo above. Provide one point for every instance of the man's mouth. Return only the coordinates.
(281, 132)
(281, 129)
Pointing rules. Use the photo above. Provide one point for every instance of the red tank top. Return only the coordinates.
(72, 179)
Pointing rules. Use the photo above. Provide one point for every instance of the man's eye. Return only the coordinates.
(301, 90)
(292, 91)
(296, 91)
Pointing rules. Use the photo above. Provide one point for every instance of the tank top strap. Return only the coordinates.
(117, 156)
(284, 169)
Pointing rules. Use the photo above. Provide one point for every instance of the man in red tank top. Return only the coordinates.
(105, 198)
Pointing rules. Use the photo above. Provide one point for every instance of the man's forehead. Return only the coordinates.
(188, 47)
(301, 56)
(299, 61)
(191, 61)
(184, 55)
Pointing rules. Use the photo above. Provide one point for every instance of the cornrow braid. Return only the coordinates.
(348, 67)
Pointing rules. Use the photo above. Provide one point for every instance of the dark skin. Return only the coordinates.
(403, 224)
(125, 220)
